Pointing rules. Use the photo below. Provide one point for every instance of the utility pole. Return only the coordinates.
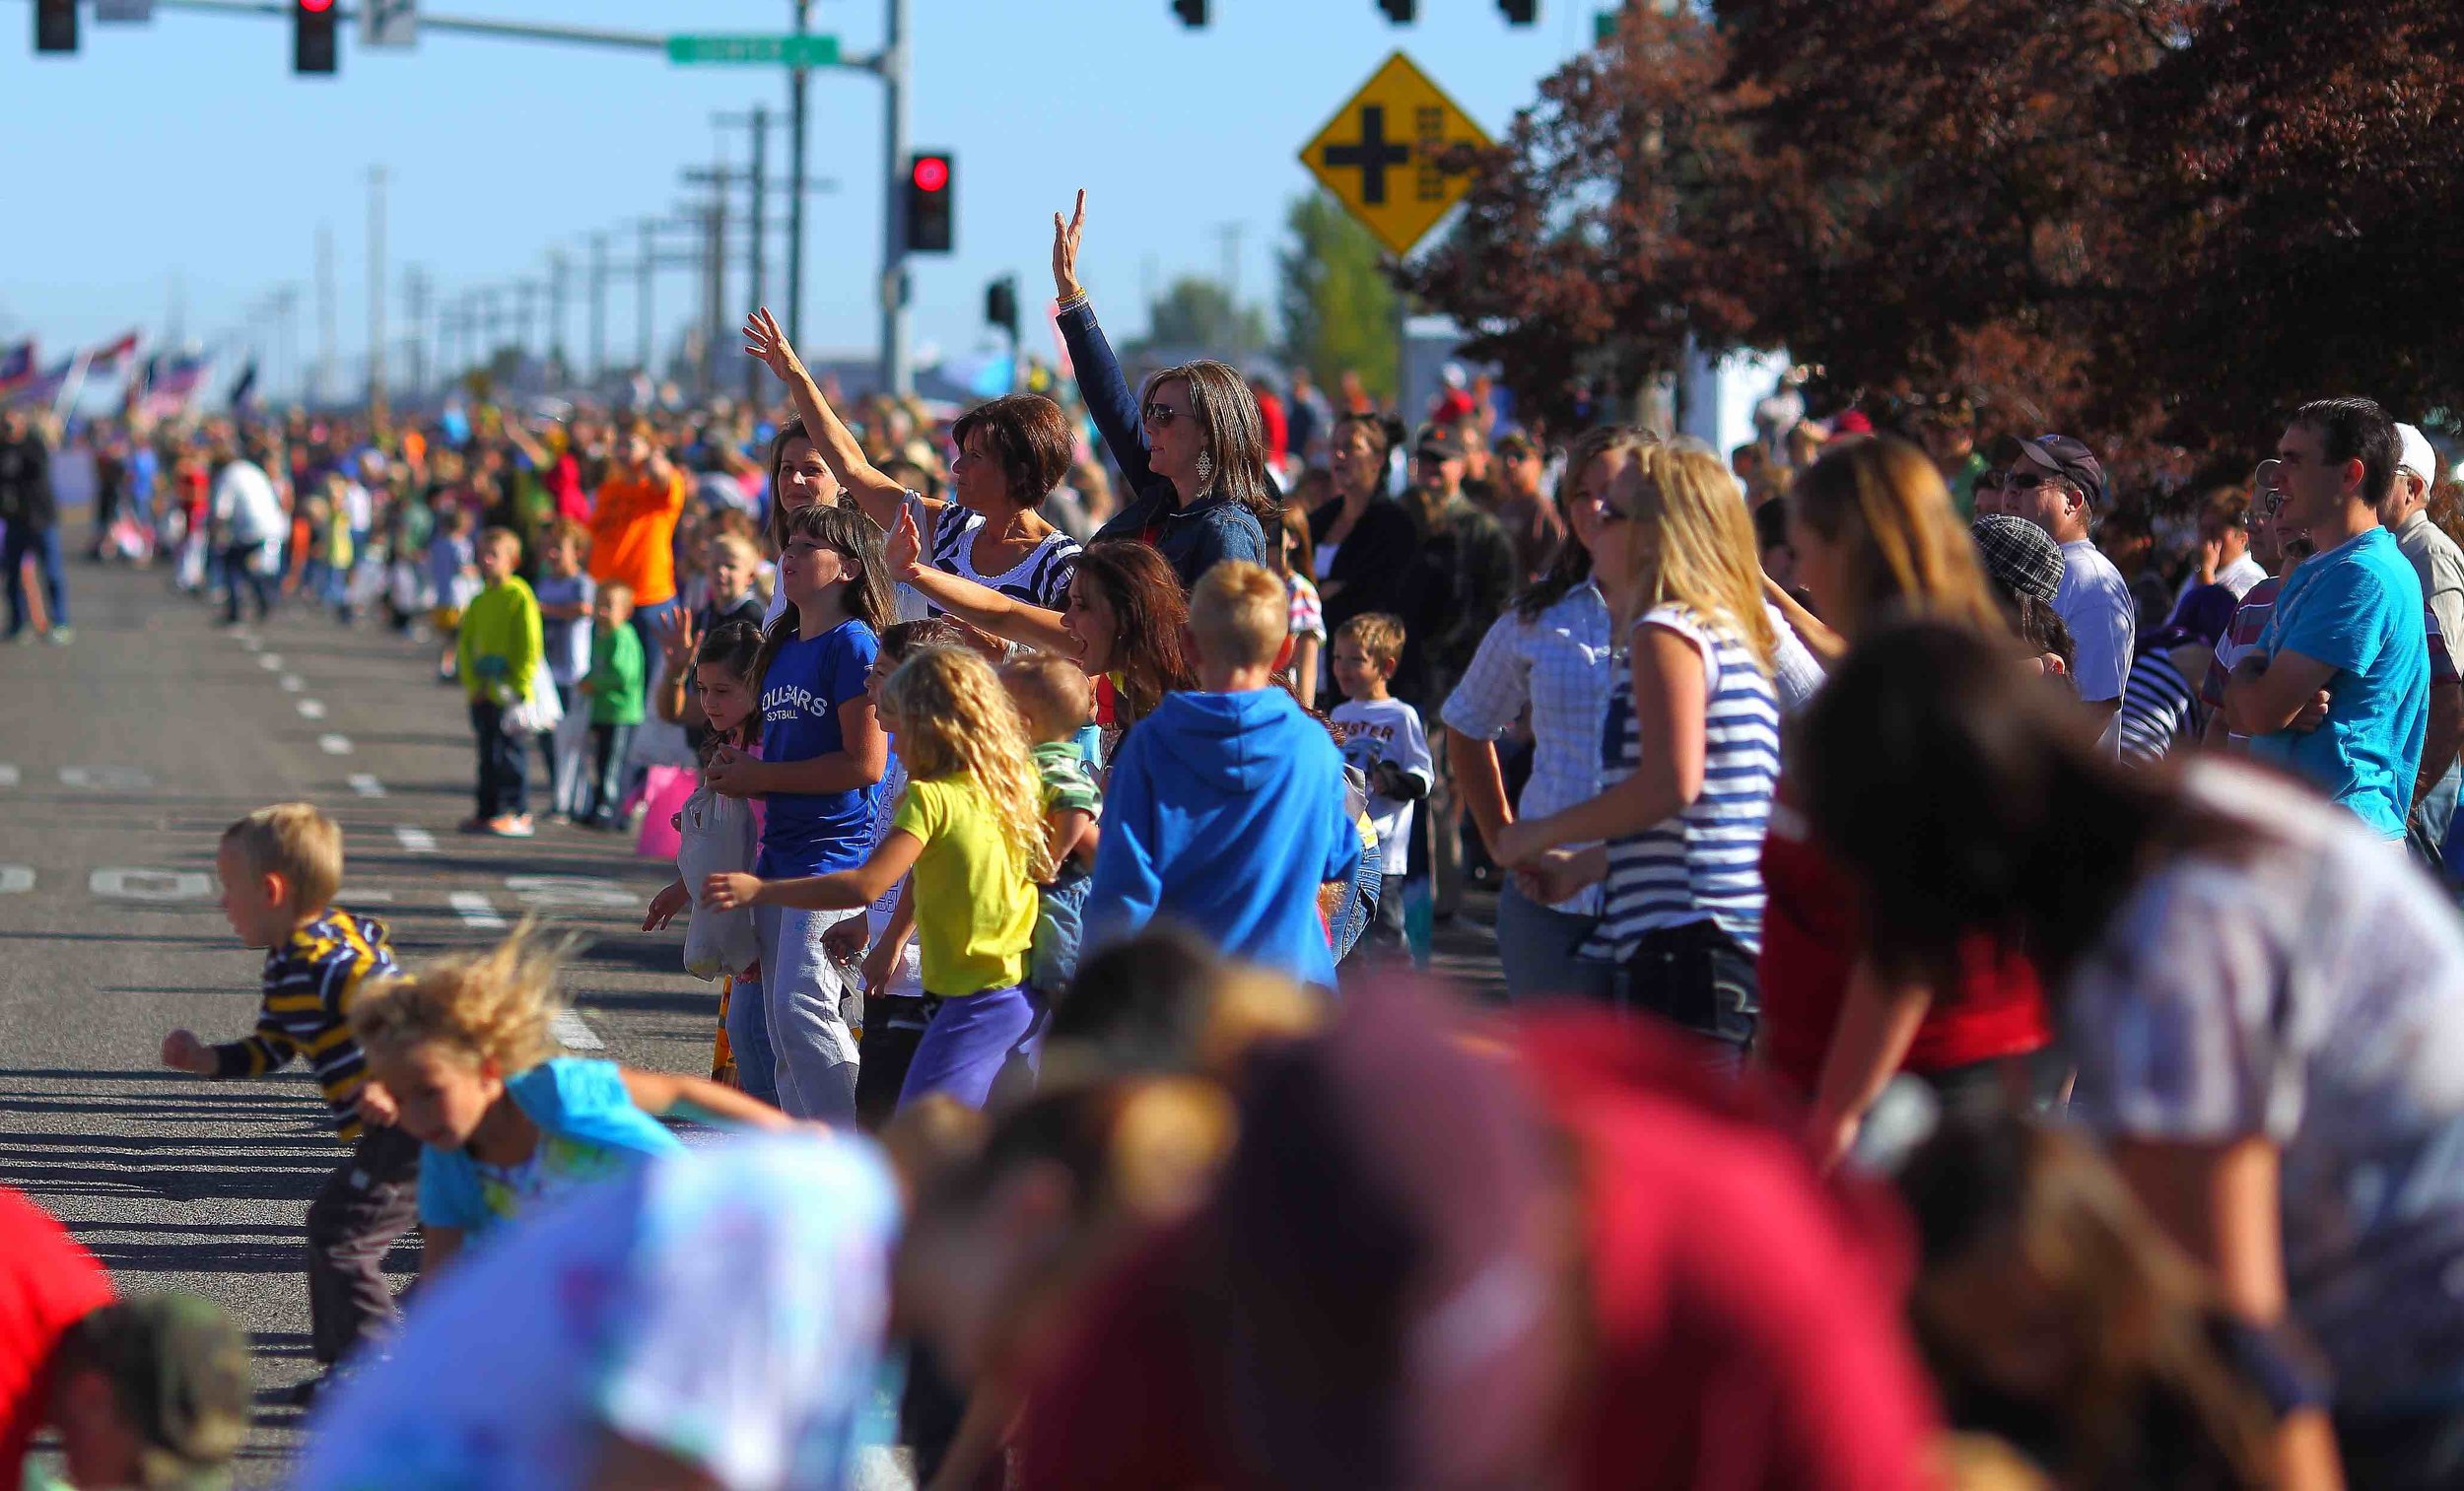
(760, 224)
(525, 299)
(415, 305)
(895, 376)
(559, 272)
(648, 268)
(376, 293)
(796, 184)
(321, 386)
(598, 306)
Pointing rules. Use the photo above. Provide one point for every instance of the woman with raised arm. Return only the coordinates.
(1011, 453)
(1189, 443)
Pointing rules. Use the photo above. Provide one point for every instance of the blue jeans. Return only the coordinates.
(748, 1034)
(2434, 819)
(966, 1040)
(813, 1052)
(1536, 947)
(502, 790)
(43, 545)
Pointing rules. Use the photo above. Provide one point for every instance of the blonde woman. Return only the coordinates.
(970, 825)
(1689, 756)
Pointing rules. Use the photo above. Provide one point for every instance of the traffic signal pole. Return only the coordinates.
(898, 376)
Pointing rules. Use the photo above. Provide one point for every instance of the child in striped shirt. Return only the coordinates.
(280, 867)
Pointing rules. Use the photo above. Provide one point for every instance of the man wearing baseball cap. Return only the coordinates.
(152, 1392)
(2349, 622)
(2057, 482)
(2439, 564)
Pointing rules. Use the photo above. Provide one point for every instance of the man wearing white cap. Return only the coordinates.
(2439, 562)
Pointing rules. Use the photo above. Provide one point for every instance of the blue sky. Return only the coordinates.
(188, 146)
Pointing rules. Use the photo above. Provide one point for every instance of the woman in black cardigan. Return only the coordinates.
(1364, 539)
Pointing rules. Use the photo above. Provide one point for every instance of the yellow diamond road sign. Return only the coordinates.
(1383, 153)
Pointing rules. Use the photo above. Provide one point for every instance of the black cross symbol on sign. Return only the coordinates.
(1373, 156)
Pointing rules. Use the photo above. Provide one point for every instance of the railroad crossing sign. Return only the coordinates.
(1383, 153)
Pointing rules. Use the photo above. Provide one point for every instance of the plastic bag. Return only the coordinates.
(541, 710)
(717, 837)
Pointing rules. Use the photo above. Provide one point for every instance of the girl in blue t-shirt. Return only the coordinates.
(822, 754)
(463, 1058)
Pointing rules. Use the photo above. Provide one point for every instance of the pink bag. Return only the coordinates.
(664, 793)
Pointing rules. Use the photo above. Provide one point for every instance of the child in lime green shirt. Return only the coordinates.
(498, 654)
(971, 828)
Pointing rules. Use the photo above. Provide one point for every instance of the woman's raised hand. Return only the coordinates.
(901, 551)
(677, 638)
(1065, 249)
(764, 340)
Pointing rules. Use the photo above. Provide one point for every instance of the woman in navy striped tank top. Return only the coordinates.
(1689, 753)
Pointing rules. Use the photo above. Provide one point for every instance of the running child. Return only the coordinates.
(498, 653)
(280, 867)
(618, 673)
(970, 826)
(1056, 701)
(883, 939)
(822, 753)
(465, 1055)
(723, 832)
(1382, 736)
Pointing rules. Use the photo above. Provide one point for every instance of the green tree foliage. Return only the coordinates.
(1338, 303)
(1198, 312)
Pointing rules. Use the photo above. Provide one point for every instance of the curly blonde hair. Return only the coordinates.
(499, 1005)
(952, 716)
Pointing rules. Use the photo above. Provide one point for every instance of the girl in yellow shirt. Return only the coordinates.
(971, 828)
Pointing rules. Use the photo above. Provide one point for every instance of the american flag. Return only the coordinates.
(172, 382)
(105, 358)
(44, 386)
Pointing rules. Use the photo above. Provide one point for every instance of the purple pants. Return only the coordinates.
(968, 1040)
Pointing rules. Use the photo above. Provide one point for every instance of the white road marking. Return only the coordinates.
(366, 785)
(475, 910)
(417, 841)
(349, 896)
(577, 1036)
(271, 663)
(8, 775)
(334, 745)
(16, 879)
(291, 683)
(569, 891)
(123, 884)
(105, 778)
(311, 709)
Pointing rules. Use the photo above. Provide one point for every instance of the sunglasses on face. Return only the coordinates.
(1161, 416)
(2021, 480)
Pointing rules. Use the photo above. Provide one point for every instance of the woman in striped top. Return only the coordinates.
(1011, 453)
(1690, 754)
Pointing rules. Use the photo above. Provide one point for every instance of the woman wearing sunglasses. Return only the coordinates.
(1189, 443)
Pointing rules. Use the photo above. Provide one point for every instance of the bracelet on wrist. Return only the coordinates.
(1073, 300)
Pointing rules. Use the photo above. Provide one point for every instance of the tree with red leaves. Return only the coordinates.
(2156, 223)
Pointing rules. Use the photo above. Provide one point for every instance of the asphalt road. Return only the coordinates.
(122, 757)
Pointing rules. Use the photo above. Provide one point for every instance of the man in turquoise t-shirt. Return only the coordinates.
(2347, 631)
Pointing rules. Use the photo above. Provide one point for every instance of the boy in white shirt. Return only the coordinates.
(1382, 737)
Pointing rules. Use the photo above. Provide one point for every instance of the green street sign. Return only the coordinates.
(1604, 26)
(780, 51)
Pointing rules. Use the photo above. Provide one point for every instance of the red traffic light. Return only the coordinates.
(317, 7)
(932, 173)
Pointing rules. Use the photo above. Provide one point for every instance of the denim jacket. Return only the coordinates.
(1192, 538)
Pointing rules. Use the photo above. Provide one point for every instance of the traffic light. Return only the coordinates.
(1398, 11)
(930, 210)
(312, 35)
(1000, 305)
(1520, 12)
(55, 26)
(1193, 13)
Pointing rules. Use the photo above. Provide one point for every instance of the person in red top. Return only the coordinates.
(1875, 536)
(1573, 1260)
(1271, 422)
(47, 1283)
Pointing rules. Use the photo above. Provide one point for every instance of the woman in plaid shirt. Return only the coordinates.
(1551, 655)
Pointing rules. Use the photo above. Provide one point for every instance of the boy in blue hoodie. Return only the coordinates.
(1226, 809)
